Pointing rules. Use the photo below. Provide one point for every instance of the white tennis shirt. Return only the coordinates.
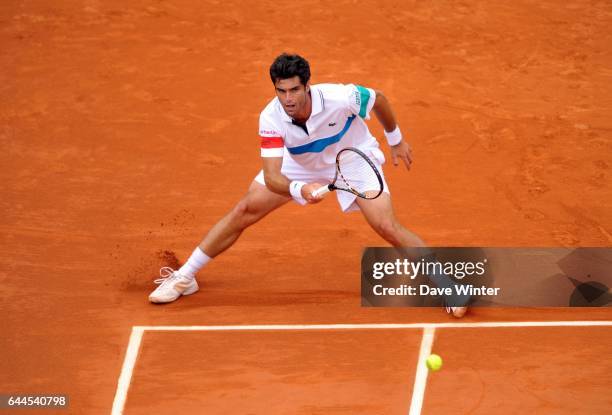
(336, 122)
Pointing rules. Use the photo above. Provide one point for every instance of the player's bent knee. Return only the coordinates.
(246, 212)
(242, 214)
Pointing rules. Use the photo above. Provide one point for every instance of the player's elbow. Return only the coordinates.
(268, 181)
(272, 181)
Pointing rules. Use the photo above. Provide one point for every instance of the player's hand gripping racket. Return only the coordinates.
(356, 174)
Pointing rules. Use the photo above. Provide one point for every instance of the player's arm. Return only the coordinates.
(279, 183)
(383, 112)
(275, 180)
(272, 145)
(399, 149)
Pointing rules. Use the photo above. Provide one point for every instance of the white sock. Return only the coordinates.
(195, 262)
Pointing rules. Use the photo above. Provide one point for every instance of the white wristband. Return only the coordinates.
(394, 137)
(295, 188)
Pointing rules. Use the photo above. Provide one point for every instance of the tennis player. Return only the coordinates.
(301, 130)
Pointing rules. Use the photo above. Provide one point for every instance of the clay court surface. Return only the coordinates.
(129, 128)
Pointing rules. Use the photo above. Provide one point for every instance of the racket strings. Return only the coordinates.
(358, 175)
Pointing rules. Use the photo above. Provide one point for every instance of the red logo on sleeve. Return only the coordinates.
(271, 142)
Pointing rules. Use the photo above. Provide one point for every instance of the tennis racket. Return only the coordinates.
(356, 174)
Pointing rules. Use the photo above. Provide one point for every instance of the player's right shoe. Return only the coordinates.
(172, 285)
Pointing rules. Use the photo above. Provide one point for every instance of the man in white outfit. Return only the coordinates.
(301, 130)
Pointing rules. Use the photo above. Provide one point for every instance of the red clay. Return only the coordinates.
(128, 130)
(356, 372)
(527, 370)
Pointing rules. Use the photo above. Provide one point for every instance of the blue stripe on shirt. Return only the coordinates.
(318, 146)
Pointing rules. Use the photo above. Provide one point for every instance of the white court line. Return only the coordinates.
(420, 380)
(137, 332)
(365, 326)
(126, 371)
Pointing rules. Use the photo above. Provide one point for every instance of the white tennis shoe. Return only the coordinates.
(172, 285)
(457, 311)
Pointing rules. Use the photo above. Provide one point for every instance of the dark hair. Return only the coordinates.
(287, 66)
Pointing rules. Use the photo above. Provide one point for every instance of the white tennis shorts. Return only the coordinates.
(294, 171)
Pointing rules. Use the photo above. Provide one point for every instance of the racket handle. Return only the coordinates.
(322, 191)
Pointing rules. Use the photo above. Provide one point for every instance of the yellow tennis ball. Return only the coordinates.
(434, 362)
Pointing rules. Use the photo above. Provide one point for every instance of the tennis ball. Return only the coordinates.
(434, 362)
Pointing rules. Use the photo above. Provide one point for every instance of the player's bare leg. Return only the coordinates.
(257, 203)
(379, 214)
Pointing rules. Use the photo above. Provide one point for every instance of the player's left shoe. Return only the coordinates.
(457, 312)
(172, 285)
